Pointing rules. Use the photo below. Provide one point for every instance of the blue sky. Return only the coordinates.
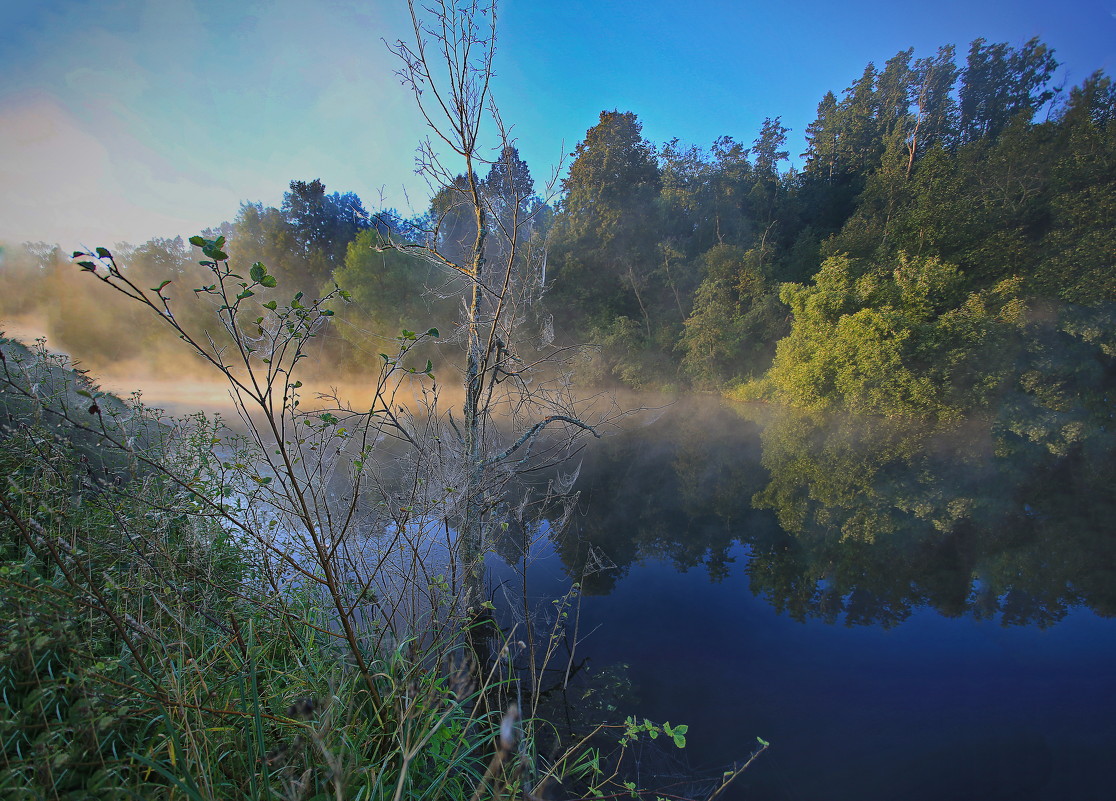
(126, 119)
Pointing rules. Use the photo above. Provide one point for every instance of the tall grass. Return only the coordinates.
(142, 659)
(149, 653)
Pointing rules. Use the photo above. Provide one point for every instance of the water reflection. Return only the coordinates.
(852, 521)
(866, 597)
(677, 489)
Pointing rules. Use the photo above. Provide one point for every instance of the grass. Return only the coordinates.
(141, 660)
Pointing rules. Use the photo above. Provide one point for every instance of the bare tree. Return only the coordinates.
(283, 474)
(449, 68)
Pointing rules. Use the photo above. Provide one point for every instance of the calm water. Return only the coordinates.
(903, 616)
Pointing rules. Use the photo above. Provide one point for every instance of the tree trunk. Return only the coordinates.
(471, 535)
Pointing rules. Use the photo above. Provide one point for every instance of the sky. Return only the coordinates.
(122, 120)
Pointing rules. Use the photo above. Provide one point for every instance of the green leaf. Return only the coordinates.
(677, 733)
(79, 253)
(269, 281)
(429, 366)
(199, 241)
(257, 272)
(160, 287)
(219, 242)
(327, 312)
(762, 742)
(247, 293)
(103, 253)
(271, 304)
(87, 265)
(433, 332)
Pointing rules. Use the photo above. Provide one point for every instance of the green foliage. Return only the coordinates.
(602, 245)
(389, 290)
(68, 672)
(613, 169)
(924, 156)
(1028, 202)
(905, 341)
(1001, 83)
(736, 319)
(321, 226)
(894, 165)
(624, 354)
(307, 622)
(634, 728)
(1058, 402)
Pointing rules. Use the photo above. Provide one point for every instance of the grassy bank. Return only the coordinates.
(144, 660)
(148, 652)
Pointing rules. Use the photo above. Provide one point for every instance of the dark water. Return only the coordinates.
(903, 614)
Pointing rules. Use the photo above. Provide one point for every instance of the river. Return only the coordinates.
(902, 615)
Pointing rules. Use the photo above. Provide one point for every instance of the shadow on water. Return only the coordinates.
(903, 613)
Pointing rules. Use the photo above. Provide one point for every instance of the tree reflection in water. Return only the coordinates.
(852, 520)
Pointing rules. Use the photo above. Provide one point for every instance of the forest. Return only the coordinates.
(946, 241)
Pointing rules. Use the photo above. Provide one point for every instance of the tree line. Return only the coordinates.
(951, 222)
